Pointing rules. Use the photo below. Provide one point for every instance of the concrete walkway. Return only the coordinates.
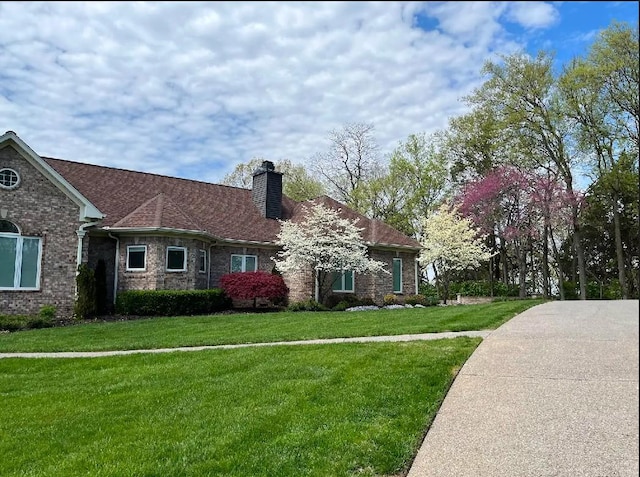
(364, 339)
(553, 392)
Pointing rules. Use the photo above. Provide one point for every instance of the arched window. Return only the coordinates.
(8, 227)
(20, 258)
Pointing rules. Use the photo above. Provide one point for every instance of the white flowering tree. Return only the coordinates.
(450, 243)
(325, 243)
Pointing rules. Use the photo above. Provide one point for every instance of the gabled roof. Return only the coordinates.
(159, 212)
(137, 201)
(88, 211)
(134, 200)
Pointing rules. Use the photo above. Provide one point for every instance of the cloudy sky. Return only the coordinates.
(190, 89)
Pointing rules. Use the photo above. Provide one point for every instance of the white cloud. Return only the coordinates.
(192, 88)
(533, 15)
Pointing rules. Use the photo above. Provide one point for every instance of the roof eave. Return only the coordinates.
(391, 246)
(159, 231)
(174, 231)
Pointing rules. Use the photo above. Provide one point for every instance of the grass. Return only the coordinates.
(318, 410)
(261, 327)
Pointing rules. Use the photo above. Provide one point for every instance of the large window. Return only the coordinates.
(202, 261)
(244, 263)
(342, 282)
(397, 275)
(136, 258)
(20, 259)
(176, 259)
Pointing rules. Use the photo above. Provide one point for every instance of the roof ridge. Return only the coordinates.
(157, 219)
(46, 158)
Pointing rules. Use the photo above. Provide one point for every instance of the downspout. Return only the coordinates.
(209, 266)
(116, 266)
(415, 262)
(317, 295)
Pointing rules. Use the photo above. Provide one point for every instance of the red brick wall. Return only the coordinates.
(40, 209)
(375, 286)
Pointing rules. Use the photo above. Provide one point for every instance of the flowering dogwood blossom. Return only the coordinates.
(324, 242)
(450, 242)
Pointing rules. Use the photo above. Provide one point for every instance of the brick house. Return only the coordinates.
(156, 232)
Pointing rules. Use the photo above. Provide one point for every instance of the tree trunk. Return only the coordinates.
(619, 250)
(505, 265)
(545, 263)
(522, 270)
(556, 256)
(577, 246)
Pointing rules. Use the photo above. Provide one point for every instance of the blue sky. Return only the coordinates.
(191, 89)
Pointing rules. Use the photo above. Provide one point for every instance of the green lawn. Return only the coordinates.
(318, 410)
(261, 327)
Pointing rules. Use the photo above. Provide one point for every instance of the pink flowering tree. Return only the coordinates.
(500, 203)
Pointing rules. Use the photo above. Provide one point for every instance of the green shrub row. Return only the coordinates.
(171, 302)
(482, 288)
(341, 303)
(595, 291)
(44, 319)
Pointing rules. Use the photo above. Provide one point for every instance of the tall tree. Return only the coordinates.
(411, 187)
(473, 144)
(522, 93)
(297, 183)
(600, 94)
(351, 160)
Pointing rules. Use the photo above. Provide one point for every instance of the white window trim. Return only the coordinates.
(17, 275)
(202, 252)
(173, 248)
(129, 269)
(244, 262)
(342, 281)
(401, 280)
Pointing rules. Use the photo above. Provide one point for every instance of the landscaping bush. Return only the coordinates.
(390, 299)
(86, 303)
(171, 302)
(307, 305)
(340, 302)
(416, 300)
(604, 291)
(44, 319)
(430, 293)
(13, 322)
(254, 285)
(571, 290)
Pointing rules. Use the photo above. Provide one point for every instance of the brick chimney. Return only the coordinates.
(267, 190)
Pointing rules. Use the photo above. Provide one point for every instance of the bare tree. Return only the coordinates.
(351, 160)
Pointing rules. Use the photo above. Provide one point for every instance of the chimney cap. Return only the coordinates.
(266, 166)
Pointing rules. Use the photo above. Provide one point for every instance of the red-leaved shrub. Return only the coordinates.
(254, 285)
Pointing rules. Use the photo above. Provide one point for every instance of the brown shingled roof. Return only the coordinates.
(131, 199)
(375, 232)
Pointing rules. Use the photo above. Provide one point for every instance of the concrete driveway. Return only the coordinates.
(553, 392)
